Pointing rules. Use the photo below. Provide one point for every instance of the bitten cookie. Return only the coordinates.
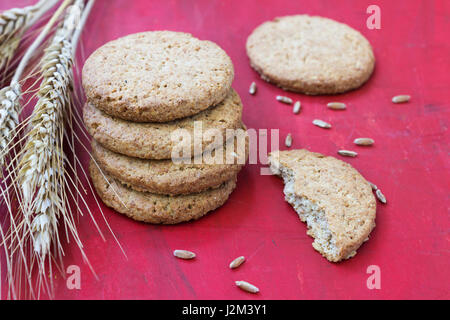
(157, 76)
(159, 209)
(312, 55)
(153, 140)
(334, 200)
(168, 177)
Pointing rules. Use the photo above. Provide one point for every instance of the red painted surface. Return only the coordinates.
(409, 162)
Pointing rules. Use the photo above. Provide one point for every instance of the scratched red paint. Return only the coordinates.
(409, 161)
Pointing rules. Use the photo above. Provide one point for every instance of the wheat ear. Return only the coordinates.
(9, 117)
(42, 165)
(10, 95)
(14, 20)
(14, 23)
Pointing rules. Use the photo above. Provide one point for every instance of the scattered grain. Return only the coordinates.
(247, 286)
(288, 140)
(237, 262)
(364, 141)
(347, 153)
(337, 106)
(321, 124)
(381, 196)
(297, 107)
(401, 98)
(284, 99)
(184, 254)
(252, 89)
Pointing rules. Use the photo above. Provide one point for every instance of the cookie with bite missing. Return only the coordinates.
(157, 76)
(334, 200)
(310, 54)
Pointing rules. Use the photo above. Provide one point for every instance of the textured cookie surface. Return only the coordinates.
(153, 208)
(312, 55)
(169, 177)
(153, 140)
(334, 200)
(157, 76)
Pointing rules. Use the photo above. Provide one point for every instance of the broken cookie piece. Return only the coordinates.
(334, 200)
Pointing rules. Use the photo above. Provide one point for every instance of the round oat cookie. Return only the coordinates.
(333, 198)
(154, 208)
(312, 55)
(175, 178)
(153, 140)
(157, 76)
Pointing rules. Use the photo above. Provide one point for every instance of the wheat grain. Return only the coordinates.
(284, 99)
(401, 98)
(288, 141)
(184, 254)
(337, 106)
(296, 108)
(364, 141)
(252, 89)
(237, 262)
(347, 153)
(381, 196)
(244, 285)
(321, 124)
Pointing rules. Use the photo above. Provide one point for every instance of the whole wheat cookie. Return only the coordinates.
(154, 140)
(172, 178)
(157, 76)
(328, 194)
(154, 208)
(312, 55)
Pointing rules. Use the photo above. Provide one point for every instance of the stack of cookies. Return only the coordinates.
(168, 135)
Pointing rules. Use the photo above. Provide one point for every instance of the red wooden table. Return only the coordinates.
(409, 162)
